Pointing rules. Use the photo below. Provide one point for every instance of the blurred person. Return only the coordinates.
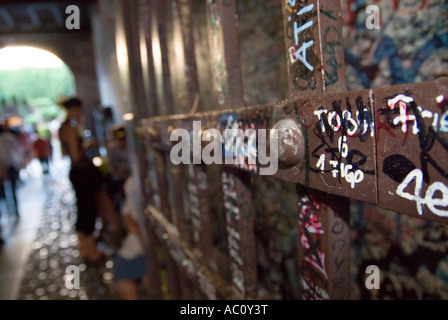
(116, 169)
(87, 181)
(129, 262)
(117, 153)
(42, 149)
(118, 162)
(46, 134)
(3, 177)
(11, 158)
(25, 137)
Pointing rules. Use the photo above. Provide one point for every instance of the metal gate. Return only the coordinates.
(207, 233)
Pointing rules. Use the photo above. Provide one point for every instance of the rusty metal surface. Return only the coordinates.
(186, 21)
(322, 158)
(225, 11)
(186, 193)
(341, 145)
(149, 78)
(217, 59)
(324, 269)
(239, 211)
(329, 127)
(152, 261)
(197, 188)
(159, 38)
(412, 137)
(132, 29)
(177, 51)
(335, 145)
(354, 123)
(176, 197)
(139, 164)
(314, 48)
(240, 231)
(212, 285)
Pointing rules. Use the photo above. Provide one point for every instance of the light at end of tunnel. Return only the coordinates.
(17, 57)
(128, 116)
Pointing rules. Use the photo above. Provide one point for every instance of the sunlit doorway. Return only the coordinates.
(32, 82)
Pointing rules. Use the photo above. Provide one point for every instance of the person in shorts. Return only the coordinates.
(129, 262)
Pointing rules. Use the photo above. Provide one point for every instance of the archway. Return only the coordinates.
(32, 81)
(36, 76)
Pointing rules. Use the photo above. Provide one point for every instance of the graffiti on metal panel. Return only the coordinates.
(197, 185)
(412, 46)
(312, 270)
(240, 143)
(335, 128)
(404, 114)
(332, 39)
(232, 213)
(339, 247)
(299, 31)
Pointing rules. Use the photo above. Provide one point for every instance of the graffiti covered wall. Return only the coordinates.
(411, 46)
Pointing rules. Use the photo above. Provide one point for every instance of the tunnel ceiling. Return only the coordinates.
(41, 18)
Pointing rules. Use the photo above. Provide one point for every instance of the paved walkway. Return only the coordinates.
(54, 258)
(19, 234)
(41, 244)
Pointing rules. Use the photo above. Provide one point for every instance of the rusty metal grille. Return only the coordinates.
(205, 225)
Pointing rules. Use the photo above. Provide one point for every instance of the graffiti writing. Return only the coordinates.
(428, 200)
(232, 213)
(404, 114)
(403, 111)
(196, 185)
(337, 120)
(240, 144)
(334, 155)
(296, 53)
(300, 31)
(339, 168)
(331, 64)
(312, 271)
(339, 248)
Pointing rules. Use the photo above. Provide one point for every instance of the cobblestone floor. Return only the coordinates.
(55, 249)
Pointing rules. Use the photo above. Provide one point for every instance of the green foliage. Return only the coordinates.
(29, 83)
(43, 130)
(43, 110)
(36, 91)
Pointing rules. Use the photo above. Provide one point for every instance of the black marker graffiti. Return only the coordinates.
(404, 113)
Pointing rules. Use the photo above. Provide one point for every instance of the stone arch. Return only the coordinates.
(79, 57)
(77, 53)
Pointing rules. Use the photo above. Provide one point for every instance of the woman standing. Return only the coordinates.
(86, 179)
